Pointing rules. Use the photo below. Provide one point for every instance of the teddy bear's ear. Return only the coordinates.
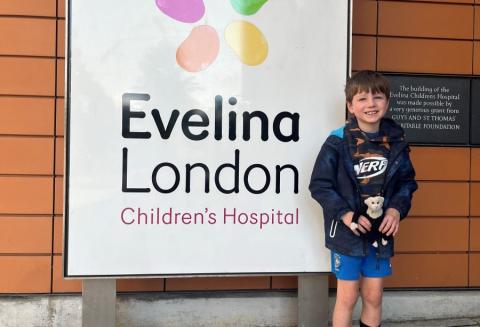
(366, 201)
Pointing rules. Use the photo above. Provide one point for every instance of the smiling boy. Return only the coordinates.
(367, 157)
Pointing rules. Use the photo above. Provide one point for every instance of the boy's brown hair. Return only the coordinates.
(367, 81)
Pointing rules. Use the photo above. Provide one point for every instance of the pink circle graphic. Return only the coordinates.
(199, 49)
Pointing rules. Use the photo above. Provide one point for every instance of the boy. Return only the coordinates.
(367, 157)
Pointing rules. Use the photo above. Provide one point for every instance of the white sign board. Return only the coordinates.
(193, 127)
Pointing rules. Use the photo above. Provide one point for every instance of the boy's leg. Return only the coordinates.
(374, 270)
(371, 292)
(347, 271)
(347, 295)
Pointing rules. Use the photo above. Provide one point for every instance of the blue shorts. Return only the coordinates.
(346, 267)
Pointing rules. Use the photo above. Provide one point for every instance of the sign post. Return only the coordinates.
(98, 302)
(313, 300)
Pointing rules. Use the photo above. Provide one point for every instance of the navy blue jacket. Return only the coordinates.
(334, 185)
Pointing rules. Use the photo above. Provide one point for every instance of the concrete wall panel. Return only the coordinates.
(363, 52)
(474, 273)
(19, 234)
(58, 235)
(26, 195)
(441, 164)
(25, 274)
(61, 8)
(433, 235)
(61, 38)
(412, 55)
(26, 115)
(475, 164)
(60, 77)
(60, 285)
(27, 76)
(59, 196)
(26, 155)
(364, 18)
(475, 199)
(475, 234)
(429, 270)
(28, 7)
(59, 121)
(59, 156)
(441, 199)
(27, 36)
(416, 19)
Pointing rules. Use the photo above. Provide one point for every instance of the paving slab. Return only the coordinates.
(458, 322)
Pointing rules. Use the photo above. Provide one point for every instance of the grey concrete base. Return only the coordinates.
(399, 305)
(41, 311)
(247, 309)
(223, 309)
(313, 300)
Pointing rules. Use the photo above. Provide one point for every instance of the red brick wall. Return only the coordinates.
(438, 246)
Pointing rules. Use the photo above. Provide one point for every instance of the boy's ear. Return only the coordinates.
(349, 107)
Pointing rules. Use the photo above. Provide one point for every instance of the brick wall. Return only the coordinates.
(438, 246)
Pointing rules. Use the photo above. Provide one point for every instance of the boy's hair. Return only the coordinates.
(367, 81)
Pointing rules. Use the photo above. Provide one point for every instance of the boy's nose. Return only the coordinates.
(370, 101)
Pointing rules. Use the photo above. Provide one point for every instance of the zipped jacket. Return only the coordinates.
(334, 186)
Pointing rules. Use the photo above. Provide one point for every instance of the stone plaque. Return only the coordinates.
(475, 117)
(432, 110)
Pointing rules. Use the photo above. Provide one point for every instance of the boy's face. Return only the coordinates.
(369, 109)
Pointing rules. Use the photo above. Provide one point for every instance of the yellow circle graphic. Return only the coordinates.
(247, 41)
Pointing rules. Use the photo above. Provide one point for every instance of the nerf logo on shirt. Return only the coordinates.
(370, 167)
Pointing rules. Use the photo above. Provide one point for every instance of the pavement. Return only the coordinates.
(458, 322)
(452, 322)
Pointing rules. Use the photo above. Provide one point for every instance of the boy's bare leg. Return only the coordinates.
(347, 295)
(371, 292)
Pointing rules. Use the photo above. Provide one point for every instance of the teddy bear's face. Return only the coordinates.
(374, 202)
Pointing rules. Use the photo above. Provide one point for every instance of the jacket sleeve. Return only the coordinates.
(323, 183)
(406, 185)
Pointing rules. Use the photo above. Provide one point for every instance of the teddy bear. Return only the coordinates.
(374, 214)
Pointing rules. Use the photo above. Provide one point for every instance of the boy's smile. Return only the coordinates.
(369, 109)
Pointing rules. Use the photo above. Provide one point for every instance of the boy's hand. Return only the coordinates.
(391, 222)
(363, 224)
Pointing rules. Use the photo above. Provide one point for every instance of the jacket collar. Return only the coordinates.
(388, 128)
